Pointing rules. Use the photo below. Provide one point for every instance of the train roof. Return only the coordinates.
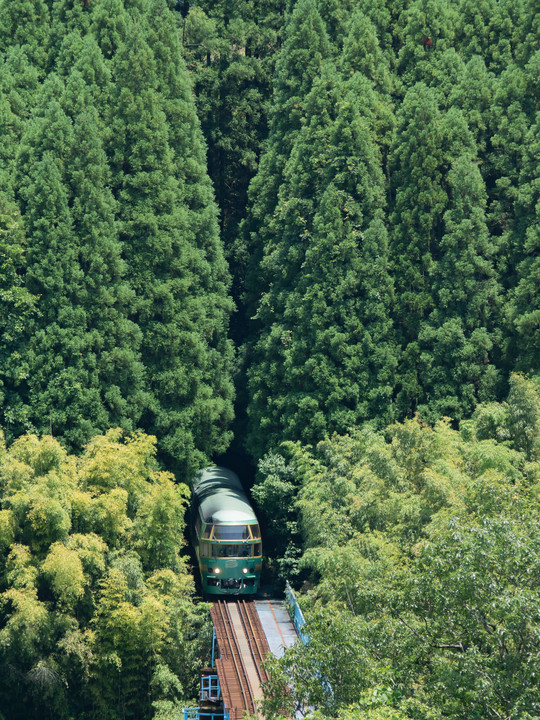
(221, 497)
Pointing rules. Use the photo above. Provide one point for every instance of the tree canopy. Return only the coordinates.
(119, 245)
(309, 228)
(96, 600)
(419, 550)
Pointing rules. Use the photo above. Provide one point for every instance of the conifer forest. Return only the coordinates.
(301, 232)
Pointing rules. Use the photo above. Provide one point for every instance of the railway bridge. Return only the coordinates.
(245, 631)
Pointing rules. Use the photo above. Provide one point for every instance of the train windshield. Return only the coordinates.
(236, 551)
(231, 532)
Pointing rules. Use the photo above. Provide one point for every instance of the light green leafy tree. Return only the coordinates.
(96, 598)
(422, 542)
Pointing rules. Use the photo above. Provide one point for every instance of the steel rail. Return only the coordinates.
(262, 642)
(236, 657)
(250, 635)
(257, 646)
(231, 687)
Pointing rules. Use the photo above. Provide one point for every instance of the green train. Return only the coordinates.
(226, 534)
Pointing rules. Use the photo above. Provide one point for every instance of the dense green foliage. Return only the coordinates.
(422, 550)
(230, 49)
(375, 166)
(117, 243)
(114, 314)
(96, 602)
(406, 132)
(360, 178)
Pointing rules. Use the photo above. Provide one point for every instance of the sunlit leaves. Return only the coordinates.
(64, 571)
(88, 601)
(159, 523)
(423, 542)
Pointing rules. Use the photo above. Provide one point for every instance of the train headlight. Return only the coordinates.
(245, 570)
(217, 571)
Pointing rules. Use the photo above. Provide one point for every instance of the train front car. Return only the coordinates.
(226, 534)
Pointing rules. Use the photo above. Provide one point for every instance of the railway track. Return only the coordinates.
(243, 646)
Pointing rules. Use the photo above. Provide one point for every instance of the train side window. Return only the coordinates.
(205, 550)
(207, 532)
(257, 550)
(255, 531)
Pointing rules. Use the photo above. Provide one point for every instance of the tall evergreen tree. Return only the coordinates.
(79, 372)
(516, 23)
(510, 125)
(530, 32)
(25, 24)
(419, 199)
(324, 360)
(523, 310)
(10, 125)
(426, 141)
(17, 306)
(370, 80)
(301, 57)
(459, 342)
(231, 50)
(53, 394)
(481, 31)
(109, 26)
(362, 53)
(113, 340)
(473, 95)
(377, 111)
(88, 80)
(336, 15)
(443, 74)
(18, 87)
(184, 134)
(427, 29)
(176, 267)
(68, 18)
(515, 102)
(385, 16)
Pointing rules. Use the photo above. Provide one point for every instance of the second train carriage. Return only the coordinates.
(226, 534)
